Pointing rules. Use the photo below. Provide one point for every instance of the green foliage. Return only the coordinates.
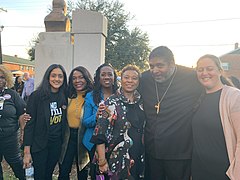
(123, 46)
(31, 51)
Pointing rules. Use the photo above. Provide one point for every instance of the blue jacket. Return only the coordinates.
(89, 119)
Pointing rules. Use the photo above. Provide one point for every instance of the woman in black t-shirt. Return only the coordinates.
(43, 134)
(215, 125)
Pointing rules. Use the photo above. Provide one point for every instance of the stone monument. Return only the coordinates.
(84, 45)
(57, 20)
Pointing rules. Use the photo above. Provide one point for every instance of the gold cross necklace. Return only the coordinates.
(159, 101)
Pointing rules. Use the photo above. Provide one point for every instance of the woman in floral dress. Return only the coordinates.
(119, 130)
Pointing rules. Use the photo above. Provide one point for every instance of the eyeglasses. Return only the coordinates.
(2, 77)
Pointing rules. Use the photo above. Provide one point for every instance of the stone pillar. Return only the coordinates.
(87, 49)
(56, 20)
(90, 30)
(53, 48)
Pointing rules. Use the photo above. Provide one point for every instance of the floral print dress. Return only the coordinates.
(121, 129)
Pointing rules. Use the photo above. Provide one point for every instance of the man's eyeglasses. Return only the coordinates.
(2, 77)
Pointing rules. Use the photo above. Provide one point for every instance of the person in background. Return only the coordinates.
(169, 93)
(44, 133)
(235, 81)
(105, 84)
(119, 130)
(28, 86)
(216, 125)
(11, 108)
(19, 85)
(80, 82)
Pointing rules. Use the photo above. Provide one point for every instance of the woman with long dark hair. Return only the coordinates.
(105, 84)
(43, 134)
(80, 82)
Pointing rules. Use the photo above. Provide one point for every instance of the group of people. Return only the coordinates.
(168, 123)
(24, 87)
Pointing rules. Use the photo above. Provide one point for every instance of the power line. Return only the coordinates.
(24, 27)
(183, 45)
(159, 24)
(186, 22)
(201, 45)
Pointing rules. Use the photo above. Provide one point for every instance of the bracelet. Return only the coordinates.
(101, 162)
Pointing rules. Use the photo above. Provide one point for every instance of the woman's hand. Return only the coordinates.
(100, 109)
(27, 159)
(23, 119)
(103, 166)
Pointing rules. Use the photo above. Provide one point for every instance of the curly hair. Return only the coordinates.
(8, 76)
(131, 68)
(97, 86)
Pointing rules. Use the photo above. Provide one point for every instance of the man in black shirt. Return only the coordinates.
(169, 93)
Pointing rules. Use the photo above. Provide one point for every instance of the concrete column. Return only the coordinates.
(90, 30)
(53, 48)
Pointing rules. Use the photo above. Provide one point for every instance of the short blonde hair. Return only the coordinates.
(130, 67)
(8, 76)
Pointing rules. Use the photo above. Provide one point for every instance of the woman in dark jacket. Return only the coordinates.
(11, 107)
(43, 134)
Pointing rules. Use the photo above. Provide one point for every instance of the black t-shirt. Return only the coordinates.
(210, 159)
(56, 115)
(168, 134)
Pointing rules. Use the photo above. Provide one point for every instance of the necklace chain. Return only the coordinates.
(159, 101)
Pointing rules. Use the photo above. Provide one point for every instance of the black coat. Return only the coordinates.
(36, 130)
(13, 107)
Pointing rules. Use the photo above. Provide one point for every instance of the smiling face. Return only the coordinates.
(129, 81)
(209, 74)
(106, 77)
(160, 69)
(79, 83)
(56, 79)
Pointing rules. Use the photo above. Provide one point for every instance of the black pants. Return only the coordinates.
(10, 150)
(45, 160)
(167, 169)
(71, 153)
(93, 169)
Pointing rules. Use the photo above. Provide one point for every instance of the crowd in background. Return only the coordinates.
(169, 123)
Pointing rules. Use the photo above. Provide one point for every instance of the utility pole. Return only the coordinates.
(1, 56)
(1, 29)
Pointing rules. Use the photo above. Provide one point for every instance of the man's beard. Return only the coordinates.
(166, 77)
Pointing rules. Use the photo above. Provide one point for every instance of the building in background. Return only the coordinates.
(19, 65)
(231, 62)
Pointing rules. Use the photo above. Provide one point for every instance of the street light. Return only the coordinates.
(1, 56)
